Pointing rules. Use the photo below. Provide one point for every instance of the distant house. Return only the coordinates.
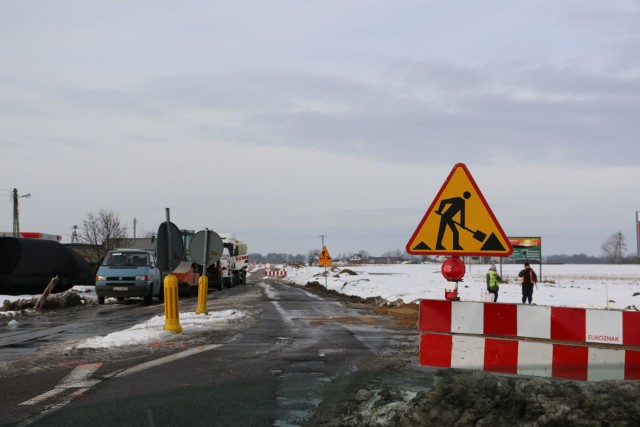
(355, 259)
(87, 252)
(144, 243)
(479, 259)
(90, 252)
(385, 260)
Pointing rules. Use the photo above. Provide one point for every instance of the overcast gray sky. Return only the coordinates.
(285, 120)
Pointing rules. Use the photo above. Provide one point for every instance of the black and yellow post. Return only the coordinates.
(171, 311)
(203, 281)
(203, 290)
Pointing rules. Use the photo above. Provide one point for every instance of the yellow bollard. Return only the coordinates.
(203, 289)
(171, 313)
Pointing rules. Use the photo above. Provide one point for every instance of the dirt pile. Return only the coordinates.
(404, 314)
(479, 399)
(318, 288)
(347, 272)
(65, 299)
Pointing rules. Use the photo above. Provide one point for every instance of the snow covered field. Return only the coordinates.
(592, 286)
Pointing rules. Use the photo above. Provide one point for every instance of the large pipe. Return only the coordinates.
(27, 266)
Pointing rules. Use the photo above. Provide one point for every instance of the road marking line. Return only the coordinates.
(78, 378)
(167, 359)
(44, 396)
(79, 392)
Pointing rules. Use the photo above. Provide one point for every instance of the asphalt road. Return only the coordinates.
(51, 327)
(295, 360)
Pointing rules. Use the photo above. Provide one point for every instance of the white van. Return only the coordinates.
(128, 273)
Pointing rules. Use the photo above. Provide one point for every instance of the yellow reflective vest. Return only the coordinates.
(492, 279)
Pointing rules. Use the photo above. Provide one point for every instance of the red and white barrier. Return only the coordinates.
(496, 337)
(531, 321)
(277, 273)
(507, 356)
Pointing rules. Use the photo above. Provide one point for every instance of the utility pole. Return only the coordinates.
(135, 222)
(326, 285)
(16, 221)
(620, 246)
(638, 233)
(16, 215)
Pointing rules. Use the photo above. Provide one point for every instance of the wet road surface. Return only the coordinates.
(274, 369)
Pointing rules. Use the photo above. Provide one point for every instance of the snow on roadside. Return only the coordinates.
(152, 330)
(588, 286)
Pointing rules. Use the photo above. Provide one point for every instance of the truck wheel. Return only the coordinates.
(148, 298)
(100, 300)
(161, 293)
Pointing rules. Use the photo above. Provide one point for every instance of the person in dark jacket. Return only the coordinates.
(528, 279)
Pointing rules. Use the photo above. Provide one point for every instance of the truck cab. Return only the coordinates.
(126, 273)
(234, 261)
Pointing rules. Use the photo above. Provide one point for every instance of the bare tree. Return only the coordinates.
(312, 255)
(614, 247)
(394, 254)
(103, 231)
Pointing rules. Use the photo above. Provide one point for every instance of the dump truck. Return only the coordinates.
(234, 261)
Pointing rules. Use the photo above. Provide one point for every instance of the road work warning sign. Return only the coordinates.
(325, 258)
(459, 222)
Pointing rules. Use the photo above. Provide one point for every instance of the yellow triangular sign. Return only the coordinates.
(459, 222)
(325, 258)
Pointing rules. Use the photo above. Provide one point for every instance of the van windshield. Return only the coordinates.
(119, 259)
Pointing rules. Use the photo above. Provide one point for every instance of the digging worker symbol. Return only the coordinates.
(455, 207)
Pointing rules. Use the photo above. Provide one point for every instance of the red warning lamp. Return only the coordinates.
(453, 269)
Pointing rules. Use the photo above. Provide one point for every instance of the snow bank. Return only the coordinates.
(152, 330)
(588, 286)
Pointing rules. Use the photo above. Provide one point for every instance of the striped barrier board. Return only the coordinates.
(559, 342)
(531, 321)
(544, 359)
(277, 273)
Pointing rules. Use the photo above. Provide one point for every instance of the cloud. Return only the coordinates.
(295, 120)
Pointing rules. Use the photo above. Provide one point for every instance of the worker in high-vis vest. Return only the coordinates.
(528, 279)
(493, 282)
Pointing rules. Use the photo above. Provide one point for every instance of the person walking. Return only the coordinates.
(528, 278)
(493, 282)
